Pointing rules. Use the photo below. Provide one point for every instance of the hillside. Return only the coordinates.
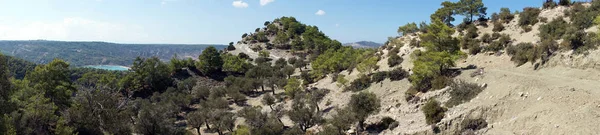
(96, 53)
(364, 44)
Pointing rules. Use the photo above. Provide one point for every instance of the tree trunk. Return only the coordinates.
(273, 90)
(262, 87)
(207, 126)
(198, 130)
(271, 106)
(360, 126)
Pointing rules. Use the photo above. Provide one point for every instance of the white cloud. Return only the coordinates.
(73, 29)
(239, 4)
(265, 2)
(320, 12)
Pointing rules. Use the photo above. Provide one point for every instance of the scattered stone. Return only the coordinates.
(521, 94)
(539, 98)
(556, 126)
(483, 85)
(572, 89)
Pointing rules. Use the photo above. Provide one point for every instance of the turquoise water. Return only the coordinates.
(109, 67)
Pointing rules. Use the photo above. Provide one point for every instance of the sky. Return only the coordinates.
(211, 21)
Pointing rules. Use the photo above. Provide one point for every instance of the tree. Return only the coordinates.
(394, 60)
(362, 105)
(280, 63)
(210, 61)
(470, 8)
(342, 120)
(288, 70)
(434, 113)
(303, 113)
(54, 80)
(148, 75)
(564, 2)
(264, 53)
(156, 119)
(196, 120)
(230, 47)
(368, 64)
(98, 112)
(234, 64)
(222, 120)
(268, 100)
(316, 96)
(439, 38)
(445, 13)
(6, 90)
(293, 87)
(408, 28)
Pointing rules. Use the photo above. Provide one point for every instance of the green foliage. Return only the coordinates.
(146, 77)
(428, 66)
(54, 82)
(486, 38)
(445, 13)
(529, 16)
(440, 82)
(414, 43)
(397, 74)
(554, 29)
(234, 64)
(549, 4)
(523, 53)
(473, 124)
(462, 92)
(564, 2)
(368, 63)
(17, 67)
(98, 112)
(580, 41)
(377, 77)
(394, 60)
(293, 87)
(362, 105)
(505, 15)
(304, 113)
(210, 61)
(241, 130)
(439, 38)
(409, 28)
(498, 27)
(433, 111)
(335, 61)
(361, 83)
(471, 8)
(341, 81)
(342, 120)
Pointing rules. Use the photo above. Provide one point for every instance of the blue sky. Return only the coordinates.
(211, 21)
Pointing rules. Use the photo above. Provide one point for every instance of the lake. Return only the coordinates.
(109, 67)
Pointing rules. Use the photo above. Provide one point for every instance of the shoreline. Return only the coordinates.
(92, 66)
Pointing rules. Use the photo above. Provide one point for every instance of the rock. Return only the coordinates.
(556, 126)
(351, 131)
(539, 98)
(521, 94)
(572, 89)
(483, 85)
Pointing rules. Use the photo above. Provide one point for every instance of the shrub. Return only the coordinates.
(546, 49)
(433, 111)
(549, 4)
(363, 82)
(383, 124)
(394, 60)
(440, 82)
(393, 125)
(414, 43)
(529, 16)
(230, 47)
(495, 17)
(564, 2)
(555, 29)
(394, 51)
(495, 35)
(543, 19)
(471, 32)
(486, 38)
(473, 124)
(378, 76)
(498, 26)
(505, 15)
(397, 74)
(462, 92)
(410, 94)
(526, 28)
(522, 53)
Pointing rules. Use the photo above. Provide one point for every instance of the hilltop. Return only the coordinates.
(96, 53)
(364, 44)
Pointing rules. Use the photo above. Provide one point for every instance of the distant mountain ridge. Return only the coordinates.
(81, 53)
(364, 44)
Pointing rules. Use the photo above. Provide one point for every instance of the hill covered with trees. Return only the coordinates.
(95, 53)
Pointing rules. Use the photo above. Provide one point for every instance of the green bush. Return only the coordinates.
(394, 60)
(461, 92)
(564, 2)
(555, 29)
(414, 43)
(486, 38)
(394, 51)
(440, 82)
(471, 32)
(410, 94)
(526, 28)
(495, 17)
(498, 26)
(378, 76)
(433, 111)
(397, 74)
(361, 83)
(505, 15)
(473, 124)
(522, 53)
(529, 16)
(549, 4)
(496, 35)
